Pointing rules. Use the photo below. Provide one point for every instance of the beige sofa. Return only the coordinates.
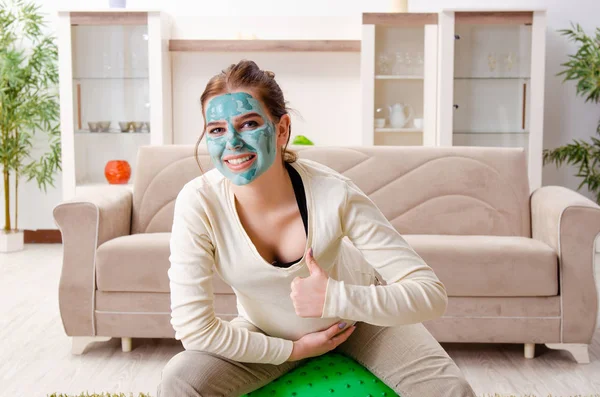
(518, 266)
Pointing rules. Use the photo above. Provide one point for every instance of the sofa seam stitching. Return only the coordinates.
(490, 206)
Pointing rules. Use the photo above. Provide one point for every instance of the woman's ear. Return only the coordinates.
(283, 129)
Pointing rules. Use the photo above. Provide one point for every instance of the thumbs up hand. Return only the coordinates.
(308, 294)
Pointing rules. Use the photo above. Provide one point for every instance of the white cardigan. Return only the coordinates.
(207, 235)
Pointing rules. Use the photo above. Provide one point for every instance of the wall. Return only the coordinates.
(310, 81)
(566, 116)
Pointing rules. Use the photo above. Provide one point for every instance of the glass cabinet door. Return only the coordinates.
(111, 99)
(492, 73)
(404, 62)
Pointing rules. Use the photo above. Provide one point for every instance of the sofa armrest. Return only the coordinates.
(85, 222)
(570, 223)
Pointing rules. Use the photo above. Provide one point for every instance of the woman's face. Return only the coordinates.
(240, 137)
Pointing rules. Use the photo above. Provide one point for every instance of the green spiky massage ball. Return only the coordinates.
(331, 374)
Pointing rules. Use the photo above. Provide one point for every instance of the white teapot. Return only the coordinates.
(398, 116)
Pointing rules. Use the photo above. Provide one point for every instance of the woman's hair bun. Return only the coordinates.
(270, 74)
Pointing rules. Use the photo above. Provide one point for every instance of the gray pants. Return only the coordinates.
(407, 358)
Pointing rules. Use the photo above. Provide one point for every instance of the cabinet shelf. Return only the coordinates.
(491, 78)
(82, 187)
(111, 132)
(398, 77)
(265, 45)
(491, 132)
(111, 78)
(396, 130)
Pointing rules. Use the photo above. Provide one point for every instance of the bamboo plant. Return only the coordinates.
(29, 110)
(584, 68)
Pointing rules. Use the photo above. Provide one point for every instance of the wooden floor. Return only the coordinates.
(35, 358)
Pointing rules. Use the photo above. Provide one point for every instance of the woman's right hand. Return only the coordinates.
(320, 342)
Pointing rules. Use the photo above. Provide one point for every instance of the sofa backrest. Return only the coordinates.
(421, 190)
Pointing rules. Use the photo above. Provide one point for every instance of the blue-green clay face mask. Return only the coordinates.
(237, 125)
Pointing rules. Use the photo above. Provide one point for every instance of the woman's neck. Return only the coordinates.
(273, 188)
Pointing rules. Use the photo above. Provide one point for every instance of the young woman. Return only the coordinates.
(273, 226)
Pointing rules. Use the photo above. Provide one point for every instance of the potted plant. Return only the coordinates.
(29, 107)
(584, 67)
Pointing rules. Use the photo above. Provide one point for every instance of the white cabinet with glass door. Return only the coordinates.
(114, 90)
(399, 77)
(491, 87)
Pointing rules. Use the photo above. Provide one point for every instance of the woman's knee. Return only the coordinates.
(410, 360)
(187, 374)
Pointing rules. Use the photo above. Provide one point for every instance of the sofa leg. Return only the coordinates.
(529, 350)
(578, 350)
(79, 343)
(126, 345)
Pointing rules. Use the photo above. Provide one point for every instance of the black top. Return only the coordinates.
(301, 200)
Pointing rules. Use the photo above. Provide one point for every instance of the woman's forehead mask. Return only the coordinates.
(227, 106)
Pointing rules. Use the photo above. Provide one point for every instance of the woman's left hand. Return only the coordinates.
(308, 294)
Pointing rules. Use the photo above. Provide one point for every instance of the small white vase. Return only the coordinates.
(398, 5)
(11, 241)
(117, 3)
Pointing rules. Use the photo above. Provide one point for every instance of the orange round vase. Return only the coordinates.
(117, 172)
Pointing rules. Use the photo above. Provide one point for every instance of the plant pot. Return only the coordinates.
(117, 172)
(117, 3)
(11, 241)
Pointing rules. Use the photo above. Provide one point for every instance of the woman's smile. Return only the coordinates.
(240, 162)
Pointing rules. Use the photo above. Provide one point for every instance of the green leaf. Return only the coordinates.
(301, 140)
(583, 67)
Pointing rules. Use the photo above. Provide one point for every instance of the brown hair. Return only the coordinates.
(247, 74)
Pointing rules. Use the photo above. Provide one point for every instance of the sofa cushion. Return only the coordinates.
(456, 190)
(489, 265)
(139, 263)
(467, 265)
